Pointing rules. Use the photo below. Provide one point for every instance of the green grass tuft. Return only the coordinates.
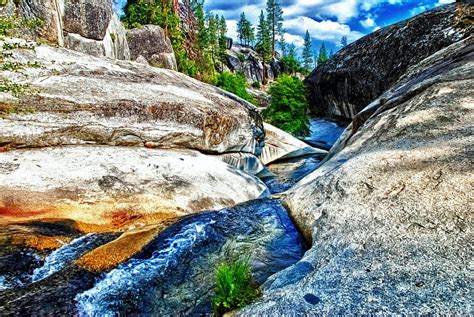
(234, 287)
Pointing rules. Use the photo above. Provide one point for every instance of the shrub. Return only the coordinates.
(288, 107)
(234, 287)
(234, 83)
(256, 85)
(241, 57)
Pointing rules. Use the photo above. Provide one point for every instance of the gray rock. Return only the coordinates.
(101, 184)
(361, 72)
(81, 44)
(150, 42)
(75, 98)
(389, 213)
(88, 18)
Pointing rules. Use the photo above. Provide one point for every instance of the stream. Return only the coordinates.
(173, 274)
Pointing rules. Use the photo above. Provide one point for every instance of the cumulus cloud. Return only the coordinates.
(368, 23)
(326, 30)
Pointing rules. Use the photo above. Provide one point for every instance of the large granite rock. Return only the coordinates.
(365, 69)
(88, 26)
(117, 187)
(73, 98)
(88, 18)
(389, 215)
(243, 59)
(151, 42)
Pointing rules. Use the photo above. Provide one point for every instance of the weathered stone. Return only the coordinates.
(281, 145)
(114, 44)
(50, 12)
(78, 99)
(243, 59)
(361, 72)
(117, 186)
(389, 213)
(88, 18)
(151, 42)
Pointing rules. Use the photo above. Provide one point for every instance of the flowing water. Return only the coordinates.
(171, 275)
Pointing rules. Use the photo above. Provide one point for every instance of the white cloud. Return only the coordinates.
(368, 23)
(441, 2)
(327, 30)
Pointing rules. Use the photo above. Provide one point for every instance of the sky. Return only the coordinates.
(326, 20)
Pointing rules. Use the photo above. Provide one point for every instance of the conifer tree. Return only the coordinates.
(264, 41)
(343, 41)
(275, 22)
(307, 58)
(222, 38)
(323, 55)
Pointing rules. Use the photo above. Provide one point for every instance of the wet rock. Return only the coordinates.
(150, 42)
(387, 212)
(280, 145)
(362, 71)
(76, 99)
(174, 275)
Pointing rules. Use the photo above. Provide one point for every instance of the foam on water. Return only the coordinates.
(131, 278)
(63, 256)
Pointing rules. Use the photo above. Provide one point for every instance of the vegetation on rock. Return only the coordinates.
(234, 287)
(288, 108)
(234, 83)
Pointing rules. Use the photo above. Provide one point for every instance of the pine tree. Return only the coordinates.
(291, 62)
(213, 36)
(323, 55)
(307, 58)
(331, 53)
(222, 38)
(283, 46)
(202, 36)
(264, 42)
(241, 28)
(249, 31)
(275, 22)
(343, 41)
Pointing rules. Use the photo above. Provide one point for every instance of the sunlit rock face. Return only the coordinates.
(388, 213)
(76, 99)
(365, 69)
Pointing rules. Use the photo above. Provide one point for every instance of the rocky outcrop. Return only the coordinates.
(243, 59)
(88, 26)
(280, 145)
(388, 213)
(84, 140)
(365, 69)
(74, 98)
(151, 43)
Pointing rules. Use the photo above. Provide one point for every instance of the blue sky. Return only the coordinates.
(326, 20)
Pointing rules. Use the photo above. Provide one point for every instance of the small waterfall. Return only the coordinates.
(127, 281)
(63, 256)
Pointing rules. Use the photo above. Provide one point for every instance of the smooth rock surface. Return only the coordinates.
(390, 214)
(74, 98)
(365, 69)
(281, 145)
(150, 42)
(117, 186)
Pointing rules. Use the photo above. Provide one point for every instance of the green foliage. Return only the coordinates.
(256, 85)
(264, 41)
(323, 55)
(275, 22)
(245, 30)
(8, 25)
(307, 55)
(234, 83)
(291, 63)
(241, 57)
(288, 108)
(14, 89)
(234, 287)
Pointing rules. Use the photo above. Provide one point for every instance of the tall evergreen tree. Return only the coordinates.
(264, 41)
(249, 31)
(291, 62)
(275, 22)
(343, 41)
(307, 58)
(283, 46)
(202, 36)
(241, 28)
(222, 38)
(213, 36)
(323, 54)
